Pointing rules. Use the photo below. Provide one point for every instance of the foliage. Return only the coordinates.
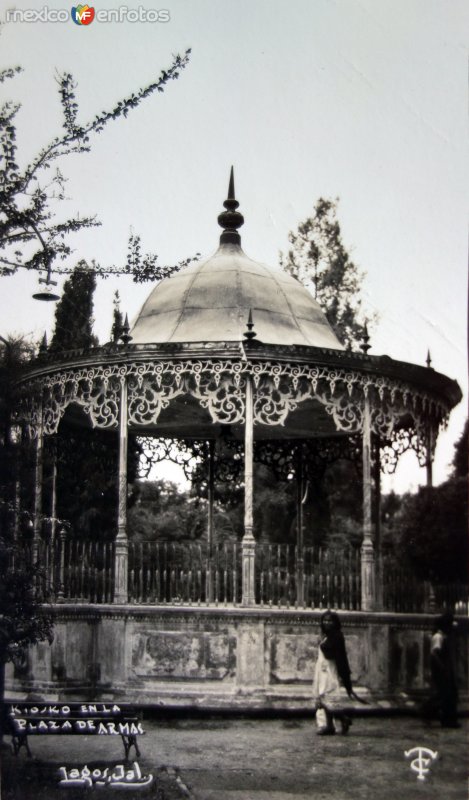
(31, 234)
(89, 505)
(15, 351)
(433, 532)
(162, 511)
(461, 454)
(117, 319)
(319, 260)
(74, 311)
(24, 620)
(429, 529)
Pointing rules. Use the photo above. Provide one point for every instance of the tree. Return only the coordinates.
(74, 311)
(161, 511)
(461, 454)
(433, 532)
(319, 260)
(24, 619)
(117, 319)
(31, 234)
(432, 525)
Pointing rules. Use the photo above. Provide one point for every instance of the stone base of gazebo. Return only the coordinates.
(225, 658)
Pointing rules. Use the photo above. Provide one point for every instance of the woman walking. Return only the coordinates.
(331, 678)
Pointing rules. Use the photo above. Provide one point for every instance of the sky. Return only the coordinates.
(365, 100)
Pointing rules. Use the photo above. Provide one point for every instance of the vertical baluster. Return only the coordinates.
(278, 576)
(148, 572)
(151, 561)
(77, 568)
(154, 568)
(99, 572)
(132, 571)
(105, 572)
(85, 588)
(214, 576)
(84, 556)
(208, 572)
(92, 571)
(74, 568)
(100, 564)
(158, 573)
(165, 573)
(309, 572)
(67, 568)
(102, 577)
(70, 567)
(269, 576)
(197, 574)
(235, 573)
(110, 571)
(321, 590)
(135, 571)
(151, 567)
(73, 550)
(138, 572)
(81, 562)
(171, 573)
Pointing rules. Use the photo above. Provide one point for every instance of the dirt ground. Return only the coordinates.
(232, 758)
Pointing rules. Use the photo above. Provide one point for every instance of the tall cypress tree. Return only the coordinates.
(74, 311)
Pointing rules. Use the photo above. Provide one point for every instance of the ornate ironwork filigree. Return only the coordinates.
(402, 441)
(219, 386)
(188, 455)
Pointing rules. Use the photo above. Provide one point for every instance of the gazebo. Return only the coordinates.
(227, 349)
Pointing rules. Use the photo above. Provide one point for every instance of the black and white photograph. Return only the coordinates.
(234, 547)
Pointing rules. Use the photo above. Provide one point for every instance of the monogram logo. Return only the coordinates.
(422, 761)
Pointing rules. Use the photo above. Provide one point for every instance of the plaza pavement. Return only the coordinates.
(281, 758)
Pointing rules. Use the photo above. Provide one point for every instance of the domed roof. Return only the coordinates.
(210, 301)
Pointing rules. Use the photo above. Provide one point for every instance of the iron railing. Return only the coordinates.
(310, 578)
(186, 573)
(168, 572)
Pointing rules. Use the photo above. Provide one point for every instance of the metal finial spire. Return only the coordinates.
(231, 189)
(429, 359)
(250, 334)
(230, 220)
(364, 347)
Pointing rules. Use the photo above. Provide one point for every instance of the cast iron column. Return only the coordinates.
(300, 589)
(367, 552)
(377, 524)
(248, 543)
(211, 482)
(38, 476)
(53, 498)
(122, 543)
(18, 455)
